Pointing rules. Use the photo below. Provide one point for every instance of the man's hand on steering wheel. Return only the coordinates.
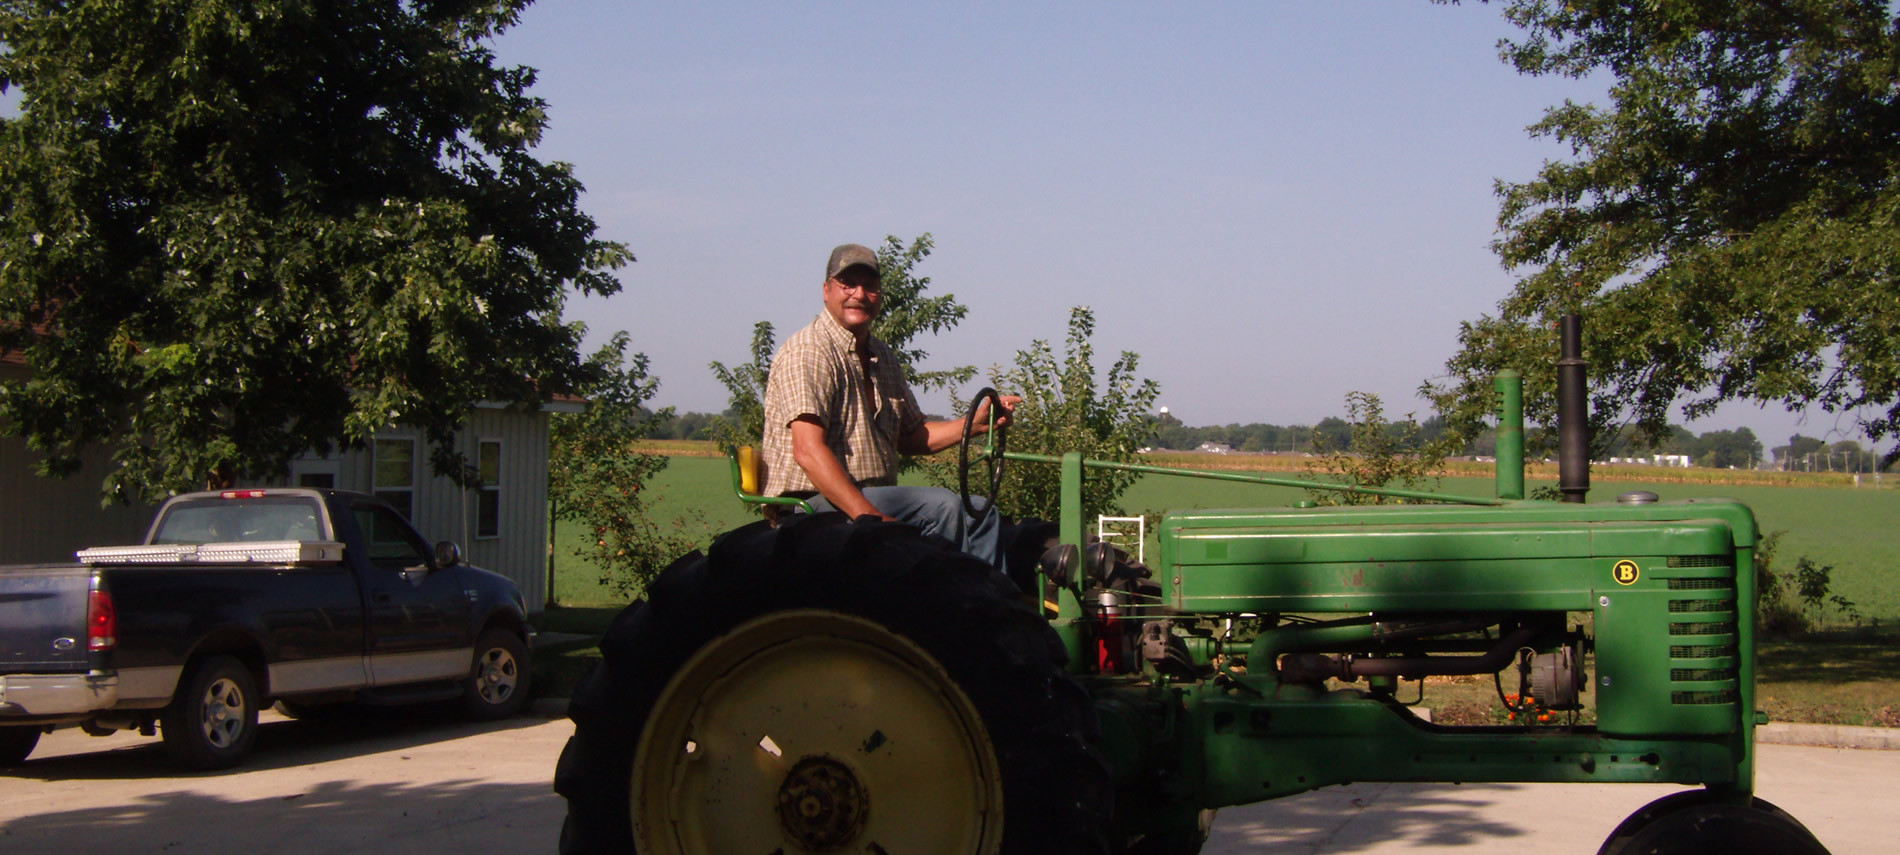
(1006, 403)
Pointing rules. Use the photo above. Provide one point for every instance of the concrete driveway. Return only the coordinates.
(411, 784)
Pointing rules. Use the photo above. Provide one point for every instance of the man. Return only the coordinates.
(838, 412)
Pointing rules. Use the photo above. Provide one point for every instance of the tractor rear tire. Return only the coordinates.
(1184, 841)
(831, 684)
(1694, 823)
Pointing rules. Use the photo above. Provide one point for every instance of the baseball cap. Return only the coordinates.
(851, 255)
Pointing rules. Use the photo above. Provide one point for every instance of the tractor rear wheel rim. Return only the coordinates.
(814, 731)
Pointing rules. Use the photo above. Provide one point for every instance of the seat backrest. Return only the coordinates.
(745, 481)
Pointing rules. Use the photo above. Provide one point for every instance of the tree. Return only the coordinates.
(1063, 410)
(1729, 449)
(905, 314)
(597, 479)
(744, 421)
(1797, 449)
(1376, 453)
(1727, 225)
(234, 232)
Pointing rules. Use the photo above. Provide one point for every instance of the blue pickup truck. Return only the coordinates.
(239, 598)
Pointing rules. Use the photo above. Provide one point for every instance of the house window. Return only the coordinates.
(488, 501)
(395, 476)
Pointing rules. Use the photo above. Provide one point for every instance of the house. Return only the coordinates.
(502, 526)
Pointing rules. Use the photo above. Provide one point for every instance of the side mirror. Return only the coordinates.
(447, 554)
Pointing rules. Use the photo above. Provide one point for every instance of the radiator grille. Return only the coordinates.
(1701, 561)
(1695, 684)
(1702, 629)
(1699, 606)
(1698, 583)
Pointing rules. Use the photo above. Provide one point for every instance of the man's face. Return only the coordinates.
(852, 297)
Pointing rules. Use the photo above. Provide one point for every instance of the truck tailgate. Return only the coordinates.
(43, 618)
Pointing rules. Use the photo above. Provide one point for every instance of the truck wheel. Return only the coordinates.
(831, 685)
(213, 721)
(1693, 823)
(16, 743)
(497, 683)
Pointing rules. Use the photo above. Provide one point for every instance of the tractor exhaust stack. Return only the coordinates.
(1573, 414)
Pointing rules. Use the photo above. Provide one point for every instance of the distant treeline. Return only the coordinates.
(1720, 449)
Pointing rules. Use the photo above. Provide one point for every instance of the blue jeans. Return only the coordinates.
(940, 512)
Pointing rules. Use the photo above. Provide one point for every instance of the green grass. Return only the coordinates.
(692, 495)
(1851, 529)
(1830, 678)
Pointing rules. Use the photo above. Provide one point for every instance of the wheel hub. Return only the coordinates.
(821, 804)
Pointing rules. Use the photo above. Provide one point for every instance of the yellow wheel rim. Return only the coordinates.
(813, 731)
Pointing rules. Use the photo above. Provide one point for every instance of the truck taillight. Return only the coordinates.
(102, 622)
(241, 494)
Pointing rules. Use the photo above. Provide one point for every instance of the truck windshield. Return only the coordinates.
(249, 519)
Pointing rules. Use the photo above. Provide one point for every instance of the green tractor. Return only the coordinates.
(815, 684)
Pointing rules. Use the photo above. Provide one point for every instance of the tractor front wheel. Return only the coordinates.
(831, 686)
(1695, 823)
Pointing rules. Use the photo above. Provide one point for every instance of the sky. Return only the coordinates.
(1274, 204)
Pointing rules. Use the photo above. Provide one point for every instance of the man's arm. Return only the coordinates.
(826, 473)
(932, 437)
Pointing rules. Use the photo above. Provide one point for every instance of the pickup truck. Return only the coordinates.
(239, 598)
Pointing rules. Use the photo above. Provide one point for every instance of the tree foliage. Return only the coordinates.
(597, 478)
(907, 313)
(1729, 225)
(744, 420)
(231, 232)
(1063, 410)
(1375, 453)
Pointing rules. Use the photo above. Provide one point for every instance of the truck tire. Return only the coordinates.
(16, 743)
(213, 720)
(497, 683)
(832, 684)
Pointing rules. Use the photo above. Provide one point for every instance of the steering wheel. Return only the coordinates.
(993, 462)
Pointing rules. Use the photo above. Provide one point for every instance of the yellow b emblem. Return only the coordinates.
(1626, 572)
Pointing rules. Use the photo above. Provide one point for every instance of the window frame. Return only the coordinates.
(406, 508)
(490, 491)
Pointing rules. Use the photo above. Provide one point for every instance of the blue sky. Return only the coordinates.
(1273, 204)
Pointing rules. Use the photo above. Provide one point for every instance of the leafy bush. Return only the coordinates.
(1777, 614)
(596, 479)
(1062, 411)
(1377, 453)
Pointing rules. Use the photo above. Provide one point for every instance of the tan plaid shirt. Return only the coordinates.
(817, 372)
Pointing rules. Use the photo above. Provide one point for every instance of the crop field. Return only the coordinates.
(1856, 531)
